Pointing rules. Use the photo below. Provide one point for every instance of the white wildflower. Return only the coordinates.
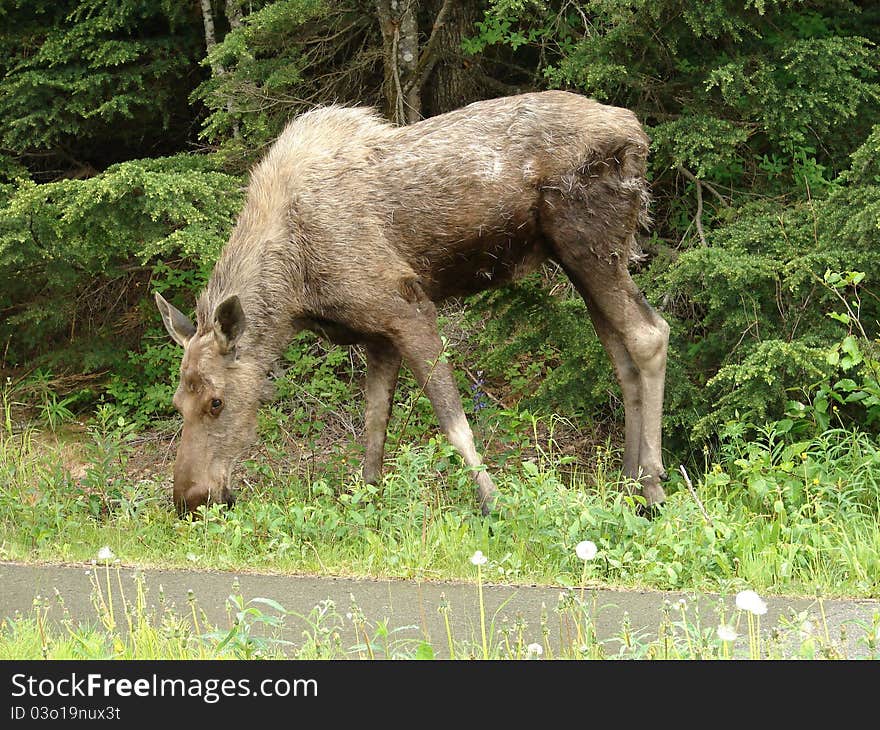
(751, 602)
(806, 630)
(586, 550)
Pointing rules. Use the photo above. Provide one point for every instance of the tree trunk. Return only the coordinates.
(455, 80)
(398, 20)
(233, 13)
(436, 71)
(210, 35)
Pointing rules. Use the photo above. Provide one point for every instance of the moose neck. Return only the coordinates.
(257, 266)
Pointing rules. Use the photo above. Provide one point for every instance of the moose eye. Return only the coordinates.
(216, 405)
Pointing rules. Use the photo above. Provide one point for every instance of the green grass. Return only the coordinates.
(135, 628)
(784, 517)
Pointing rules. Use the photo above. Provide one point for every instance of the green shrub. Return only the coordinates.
(81, 258)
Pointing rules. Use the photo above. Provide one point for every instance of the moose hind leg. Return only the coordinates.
(383, 366)
(638, 339)
(652, 345)
(418, 340)
(630, 384)
(645, 337)
(594, 254)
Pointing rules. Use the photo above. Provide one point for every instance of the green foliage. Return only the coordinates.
(278, 63)
(783, 510)
(705, 144)
(79, 77)
(802, 93)
(724, 79)
(866, 162)
(762, 300)
(543, 356)
(81, 257)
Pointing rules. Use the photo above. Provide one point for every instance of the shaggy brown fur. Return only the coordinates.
(355, 228)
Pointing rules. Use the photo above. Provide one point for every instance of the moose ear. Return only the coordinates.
(177, 324)
(229, 322)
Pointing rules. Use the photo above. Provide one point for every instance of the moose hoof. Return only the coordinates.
(487, 504)
(485, 493)
(650, 511)
(654, 498)
(653, 492)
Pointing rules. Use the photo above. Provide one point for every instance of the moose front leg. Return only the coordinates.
(383, 366)
(418, 340)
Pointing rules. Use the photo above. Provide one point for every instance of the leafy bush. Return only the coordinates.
(81, 258)
(277, 63)
(85, 82)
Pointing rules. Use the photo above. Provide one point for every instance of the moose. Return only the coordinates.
(355, 229)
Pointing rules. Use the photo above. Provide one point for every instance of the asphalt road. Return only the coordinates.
(410, 608)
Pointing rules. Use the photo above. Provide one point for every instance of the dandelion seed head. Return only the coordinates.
(586, 550)
(478, 558)
(726, 633)
(105, 553)
(535, 649)
(750, 601)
